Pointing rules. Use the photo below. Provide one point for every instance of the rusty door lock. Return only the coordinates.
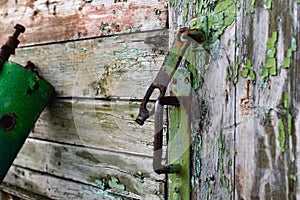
(23, 95)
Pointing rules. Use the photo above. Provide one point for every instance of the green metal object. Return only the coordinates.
(23, 96)
(180, 136)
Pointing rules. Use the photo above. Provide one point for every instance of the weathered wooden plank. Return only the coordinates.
(42, 186)
(100, 124)
(266, 158)
(120, 66)
(295, 74)
(212, 107)
(82, 171)
(52, 21)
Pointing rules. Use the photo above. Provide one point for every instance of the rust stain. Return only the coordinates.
(245, 104)
(240, 177)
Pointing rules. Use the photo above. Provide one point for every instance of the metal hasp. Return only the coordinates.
(178, 166)
(171, 62)
(180, 136)
(23, 96)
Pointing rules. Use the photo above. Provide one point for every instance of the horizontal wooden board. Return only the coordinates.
(98, 124)
(64, 171)
(110, 67)
(52, 21)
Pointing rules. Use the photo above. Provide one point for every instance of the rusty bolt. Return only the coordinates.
(19, 29)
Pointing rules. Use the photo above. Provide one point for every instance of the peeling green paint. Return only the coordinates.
(294, 44)
(270, 63)
(236, 73)
(108, 187)
(252, 6)
(293, 177)
(281, 136)
(286, 100)
(215, 17)
(248, 71)
(287, 59)
(268, 4)
(115, 183)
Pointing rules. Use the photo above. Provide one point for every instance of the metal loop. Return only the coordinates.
(158, 143)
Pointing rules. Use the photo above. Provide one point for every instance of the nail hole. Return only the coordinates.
(8, 121)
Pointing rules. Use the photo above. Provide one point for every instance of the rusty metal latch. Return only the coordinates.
(171, 62)
(158, 137)
(178, 141)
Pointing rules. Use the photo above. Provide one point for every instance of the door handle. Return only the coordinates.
(158, 167)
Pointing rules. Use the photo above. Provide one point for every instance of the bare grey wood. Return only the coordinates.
(266, 158)
(82, 170)
(110, 67)
(105, 125)
(259, 108)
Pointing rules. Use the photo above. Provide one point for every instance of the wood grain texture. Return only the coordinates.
(212, 113)
(52, 21)
(258, 116)
(266, 140)
(109, 67)
(82, 167)
(105, 125)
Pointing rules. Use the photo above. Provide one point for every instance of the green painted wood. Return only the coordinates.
(179, 136)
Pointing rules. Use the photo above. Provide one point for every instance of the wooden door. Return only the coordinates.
(246, 121)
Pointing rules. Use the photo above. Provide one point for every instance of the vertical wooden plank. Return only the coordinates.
(266, 142)
(295, 92)
(212, 116)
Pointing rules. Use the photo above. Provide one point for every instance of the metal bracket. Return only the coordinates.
(180, 136)
(178, 167)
